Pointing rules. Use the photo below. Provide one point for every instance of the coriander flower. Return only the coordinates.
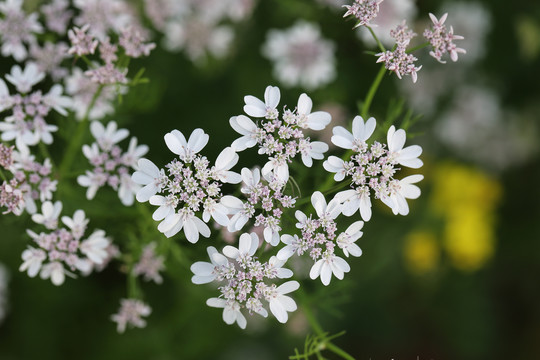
(25, 79)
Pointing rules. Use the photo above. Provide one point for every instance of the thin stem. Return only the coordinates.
(320, 332)
(418, 47)
(45, 152)
(371, 93)
(77, 139)
(379, 44)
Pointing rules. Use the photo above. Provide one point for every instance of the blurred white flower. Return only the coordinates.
(301, 56)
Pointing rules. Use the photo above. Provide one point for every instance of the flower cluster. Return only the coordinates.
(199, 28)
(372, 168)
(319, 239)
(63, 246)
(244, 280)
(111, 166)
(301, 56)
(31, 182)
(149, 264)
(130, 313)
(26, 124)
(442, 40)
(17, 29)
(398, 60)
(189, 187)
(280, 139)
(110, 72)
(363, 10)
(265, 202)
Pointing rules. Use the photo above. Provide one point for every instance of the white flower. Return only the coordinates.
(292, 244)
(346, 240)
(312, 150)
(400, 191)
(276, 264)
(204, 271)
(107, 137)
(192, 225)
(127, 189)
(176, 142)
(405, 156)
(277, 167)
(328, 265)
(361, 132)
(5, 99)
(300, 56)
(77, 224)
(235, 207)
(335, 165)
(33, 258)
(42, 130)
(247, 246)
(57, 101)
(355, 199)
(224, 162)
(134, 153)
(256, 108)
(24, 80)
(55, 271)
(93, 181)
(245, 127)
(18, 130)
(231, 311)
(49, 216)
(281, 304)
(324, 211)
(95, 247)
(306, 119)
(151, 176)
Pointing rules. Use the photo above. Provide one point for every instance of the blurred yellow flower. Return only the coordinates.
(421, 252)
(469, 238)
(459, 186)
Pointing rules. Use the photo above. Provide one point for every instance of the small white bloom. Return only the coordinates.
(361, 132)
(401, 191)
(346, 240)
(25, 79)
(77, 224)
(57, 101)
(151, 177)
(203, 272)
(405, 156)
(355, 199)
(49, 216)
(107, 137)
(245, 127)
(33, 258)
(176, 142)
(192, 225)
(292, 243)
(95, 247)
(306, 119)
(127, 189)
(301, 56)
(328, 265)
(335, 165)
(92, 181)
(280, 304)
(256, 108)
(55, 271)
(134, 153)
(224, 162)
(247, 246)
(231, 311)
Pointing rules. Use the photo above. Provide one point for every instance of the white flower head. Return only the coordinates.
(25, 79)
(49, 215)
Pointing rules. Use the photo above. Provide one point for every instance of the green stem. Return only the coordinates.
(371, 93)
(45, 152)
(379, 44)
(320, 332)
(76, 140)
(421, 46)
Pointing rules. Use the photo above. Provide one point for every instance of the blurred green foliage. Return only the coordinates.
(387, 311)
